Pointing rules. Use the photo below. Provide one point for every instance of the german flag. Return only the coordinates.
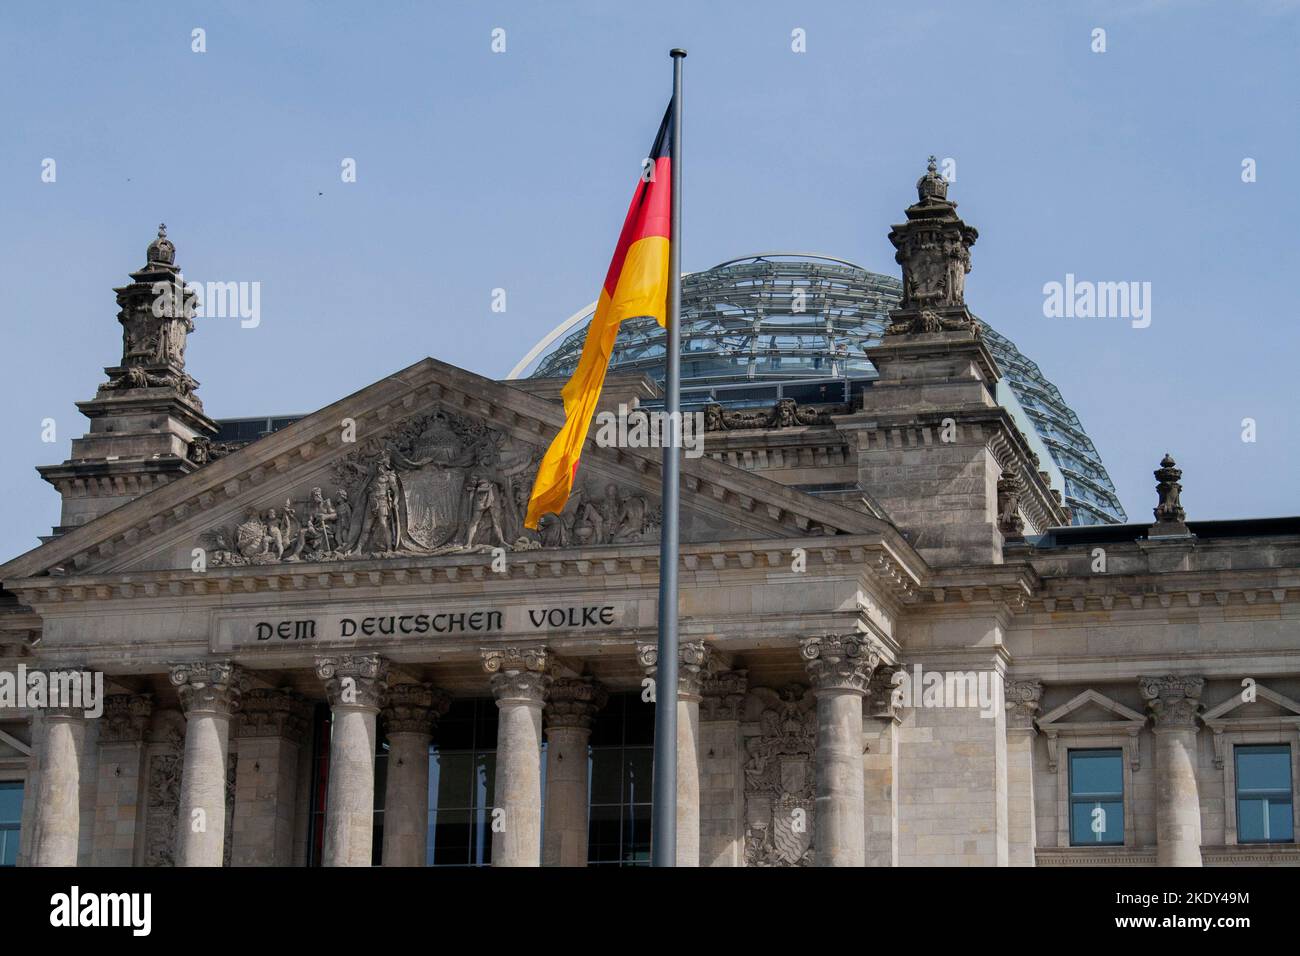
(635, 286)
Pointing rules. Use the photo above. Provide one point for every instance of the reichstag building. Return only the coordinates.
(917, 626)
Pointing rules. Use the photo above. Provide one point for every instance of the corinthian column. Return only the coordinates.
(210, 693)
(409, 718)
(56, 830)
(521, 679)
(1022, 703)
(693, 658)
(355, 686)
(1174, 701)
(572, 704)
(840, 667)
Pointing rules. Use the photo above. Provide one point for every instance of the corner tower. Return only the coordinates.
(935, 448)
(145, 419)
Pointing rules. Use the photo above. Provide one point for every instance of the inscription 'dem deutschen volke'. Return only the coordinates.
(446, 622)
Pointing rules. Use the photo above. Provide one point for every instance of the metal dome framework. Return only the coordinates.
(774, 318)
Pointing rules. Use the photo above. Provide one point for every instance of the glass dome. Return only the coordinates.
(795, 325)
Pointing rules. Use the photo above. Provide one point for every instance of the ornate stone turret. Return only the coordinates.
(934, 251)
(1170, 516)
(942, 457)
(145, 418)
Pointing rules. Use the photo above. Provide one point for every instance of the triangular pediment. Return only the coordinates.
(1090, 707)
(1256, 702)
(431, 460)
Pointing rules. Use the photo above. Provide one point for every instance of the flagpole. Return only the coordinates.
(663, 823)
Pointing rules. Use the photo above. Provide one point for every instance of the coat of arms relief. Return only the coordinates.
(437, 484)
(780, 780)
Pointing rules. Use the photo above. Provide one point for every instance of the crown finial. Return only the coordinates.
(161, 250)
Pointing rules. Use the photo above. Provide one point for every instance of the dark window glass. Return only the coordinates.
(320, 772)
(622, 757)
(1264, 797)
(11, 813)
(1096, 797)
(462, 766)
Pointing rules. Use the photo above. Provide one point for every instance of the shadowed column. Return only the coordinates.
(840, 666)
(210, 693)
(120, 790)
(572, 704)
(1174, 701)
(409, 720)
(56, 830)
(270, 727)
(356, 687)
(521, 679)
(693, 659)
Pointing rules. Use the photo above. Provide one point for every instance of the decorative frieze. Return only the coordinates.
(354, 680)
(840, 661)
(780, 783)
(1173, 700)
(414, 708)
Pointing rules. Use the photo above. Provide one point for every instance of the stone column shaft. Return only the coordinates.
(57, 825)
(693, 665)
(521, 679)
(840, 667)
(1022, 703)
(356, 687)
(569, 710)
(409, 720)
(1174, 701)
(210, 692)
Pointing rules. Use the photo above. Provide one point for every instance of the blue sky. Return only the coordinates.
(479, 170)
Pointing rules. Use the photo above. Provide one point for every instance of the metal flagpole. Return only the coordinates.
(663, 825)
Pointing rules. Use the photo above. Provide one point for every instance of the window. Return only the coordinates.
(11, 812)
(622, 758)
(462, 767)
(1097, 797)
(1264, 800)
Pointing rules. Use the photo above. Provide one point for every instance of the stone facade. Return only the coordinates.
(891, 677)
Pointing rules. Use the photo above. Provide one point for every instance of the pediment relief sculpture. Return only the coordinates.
(437, 484)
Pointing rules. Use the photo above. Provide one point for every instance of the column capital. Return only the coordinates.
(1023, 699)
(1173, 699)
(414, 708)
(519, 673)
(880, 692)
(126, 718)
(209, 687)
(694, 659)
(724, 695)
(274, 713)
(354, 680)
(840, 661)
(573, 702)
